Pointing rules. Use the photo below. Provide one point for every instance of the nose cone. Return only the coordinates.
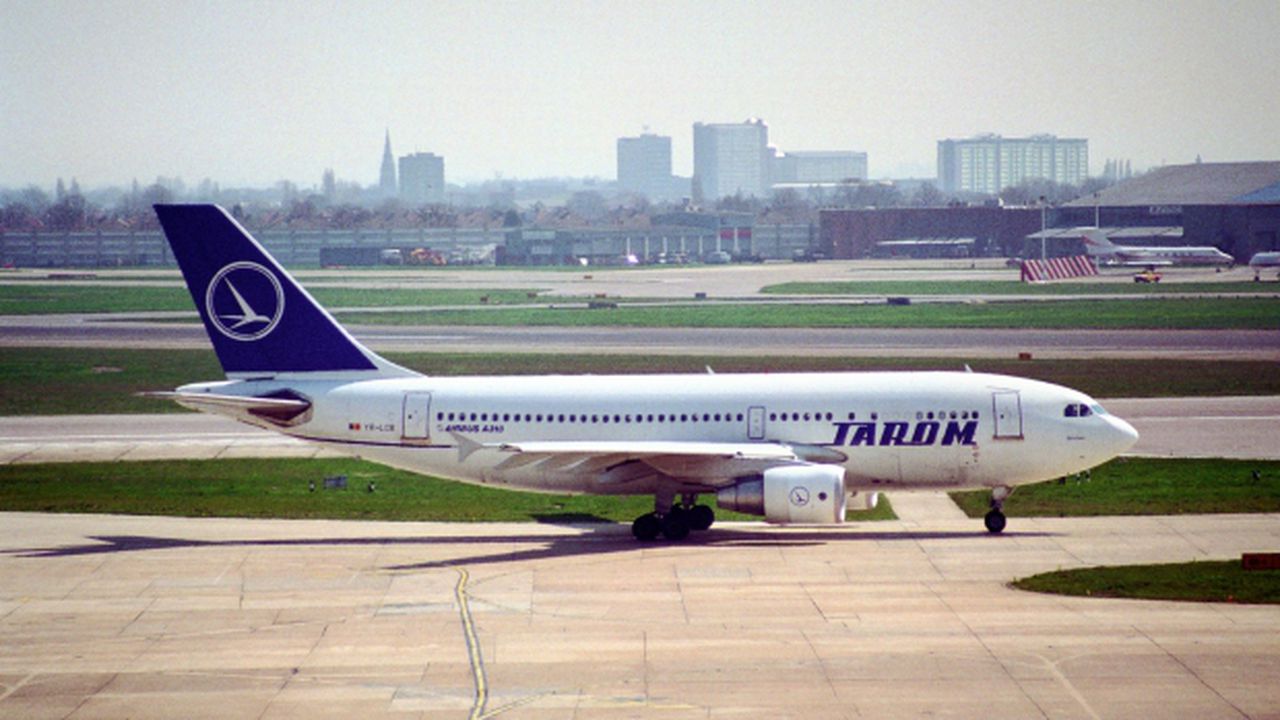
(1122, 435)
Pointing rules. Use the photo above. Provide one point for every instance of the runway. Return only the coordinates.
(104, 616)
(1233, 427)
(86, 331)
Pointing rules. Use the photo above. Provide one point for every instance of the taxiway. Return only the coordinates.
(104, 616)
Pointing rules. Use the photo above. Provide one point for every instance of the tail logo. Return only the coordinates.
(244, 301)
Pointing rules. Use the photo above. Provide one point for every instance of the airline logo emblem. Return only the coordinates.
(244, 301)
(799, 496)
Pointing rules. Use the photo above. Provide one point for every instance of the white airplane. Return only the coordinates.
(1099, 246)
(1265, 259)
(789, 447)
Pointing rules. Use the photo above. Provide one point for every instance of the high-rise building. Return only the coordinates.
(329, 184)
(731, 158)
(422, 178)
(987, 164)
(644, 166)
(819, 167)
(387, 179)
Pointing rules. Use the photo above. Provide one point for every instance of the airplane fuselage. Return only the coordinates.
(887, 430)
(1190, 255)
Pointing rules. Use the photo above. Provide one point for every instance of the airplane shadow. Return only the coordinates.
(594, 540)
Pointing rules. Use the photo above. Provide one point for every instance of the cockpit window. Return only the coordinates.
(1081, 410)
(1098, 409)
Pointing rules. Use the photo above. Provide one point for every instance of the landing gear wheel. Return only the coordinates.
(675, 526)
(646, 527)
(701, 517)
(995, 521)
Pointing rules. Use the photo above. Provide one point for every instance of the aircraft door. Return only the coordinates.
(755, 423)
(1007, 411)
(417, 416)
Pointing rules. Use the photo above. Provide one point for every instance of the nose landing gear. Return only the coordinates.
(994, 519)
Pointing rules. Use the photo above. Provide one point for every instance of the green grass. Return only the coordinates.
(1202, 581)
(1170, 314)
(56, 381)
(1010, 287)
(1145, 486)
(279, 488)
(33, 298)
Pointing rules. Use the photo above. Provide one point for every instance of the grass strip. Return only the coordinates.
(1010, 287)
(62, 381)
(1164, 314)
(1144, 486)
(1200, 581)
(281, 488)
(47, 299)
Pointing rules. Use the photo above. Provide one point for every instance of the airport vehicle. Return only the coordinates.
(788, 447)
(1147, 277)
(1100, 247)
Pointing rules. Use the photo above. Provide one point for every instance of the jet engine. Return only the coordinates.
(791, 494)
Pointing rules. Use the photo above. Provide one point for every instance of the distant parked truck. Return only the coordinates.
(807, 255)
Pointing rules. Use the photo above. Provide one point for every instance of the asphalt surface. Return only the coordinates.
(83, 331)
(113, 617)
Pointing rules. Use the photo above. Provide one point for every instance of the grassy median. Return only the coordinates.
(48, 299)
(1144, 486)
(282, 488)
(1201, 581)
(1165, 314)
(1011, 287)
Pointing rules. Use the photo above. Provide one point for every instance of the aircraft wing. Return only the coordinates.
(623, 461)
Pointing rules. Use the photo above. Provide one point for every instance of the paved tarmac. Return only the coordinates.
(666, 281)
(112, 617)
(83, 331)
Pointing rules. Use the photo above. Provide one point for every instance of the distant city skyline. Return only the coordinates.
(248, 93)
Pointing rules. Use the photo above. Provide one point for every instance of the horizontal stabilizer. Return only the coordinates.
(275, 409)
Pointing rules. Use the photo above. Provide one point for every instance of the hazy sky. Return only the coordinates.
(252, 92)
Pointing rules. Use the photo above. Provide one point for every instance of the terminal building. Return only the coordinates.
(959, 232)
(1232, 206)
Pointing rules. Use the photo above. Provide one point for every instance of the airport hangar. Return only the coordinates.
(1232, 206)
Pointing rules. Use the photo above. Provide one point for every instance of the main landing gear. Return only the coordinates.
(995, 520)
(673, 522)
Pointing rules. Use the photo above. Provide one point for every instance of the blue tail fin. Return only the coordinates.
(261, 322)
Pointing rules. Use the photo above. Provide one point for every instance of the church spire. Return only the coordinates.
(387, 182)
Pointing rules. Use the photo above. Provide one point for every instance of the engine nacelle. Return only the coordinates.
(792, 494)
